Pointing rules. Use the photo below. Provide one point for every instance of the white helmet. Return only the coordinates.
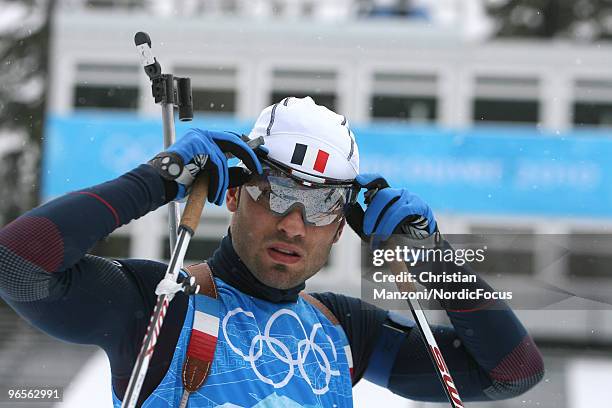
(309, 141)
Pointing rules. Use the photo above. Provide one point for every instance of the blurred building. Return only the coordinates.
(499, 136)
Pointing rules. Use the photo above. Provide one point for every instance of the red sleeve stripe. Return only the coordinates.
(103, 201)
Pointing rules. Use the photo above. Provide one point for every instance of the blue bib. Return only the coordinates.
(268, 355)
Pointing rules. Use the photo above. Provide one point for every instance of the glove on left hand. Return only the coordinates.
(204, 150)
(389, 211)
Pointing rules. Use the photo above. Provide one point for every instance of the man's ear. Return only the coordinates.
(231, 198)
(339, 230)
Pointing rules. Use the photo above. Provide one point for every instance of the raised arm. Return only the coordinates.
(489, 353)
(46, 275)
(45, 270)
(487, 350)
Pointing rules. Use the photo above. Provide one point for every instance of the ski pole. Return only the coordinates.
(189, 223)
(448, 384)
(165, 93)
(168, 96)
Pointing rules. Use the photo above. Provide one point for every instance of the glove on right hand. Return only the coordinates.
(389, 211)
(201, 150)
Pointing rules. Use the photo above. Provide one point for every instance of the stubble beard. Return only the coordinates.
(253, 257)
(270, 273)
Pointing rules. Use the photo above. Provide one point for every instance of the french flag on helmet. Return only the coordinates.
(299, 155)
(310, 141)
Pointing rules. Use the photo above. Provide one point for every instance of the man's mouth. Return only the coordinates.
(283, 253)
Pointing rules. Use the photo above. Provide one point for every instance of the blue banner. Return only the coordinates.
(492, 170)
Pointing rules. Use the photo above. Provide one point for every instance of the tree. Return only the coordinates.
(585, 20)
(25, 29)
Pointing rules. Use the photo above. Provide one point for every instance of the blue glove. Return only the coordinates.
(204, 150)
(389, 211)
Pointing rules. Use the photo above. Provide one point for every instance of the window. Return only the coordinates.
(593, 104)
(509, 251)
(415, 109)
(320, 85)
(505, 99)
(590, 265)
(114, 4)
(106, 87)
(590, 255)
(592, 113)
(105, 97)
(409, 97)
(496, 110)
(214, 100)
(213, 88)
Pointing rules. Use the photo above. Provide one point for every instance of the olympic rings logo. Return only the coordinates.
(304, 347)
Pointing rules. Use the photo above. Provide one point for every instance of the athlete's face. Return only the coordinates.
(281, 251)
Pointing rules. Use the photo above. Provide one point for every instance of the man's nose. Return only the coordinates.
(292, 224)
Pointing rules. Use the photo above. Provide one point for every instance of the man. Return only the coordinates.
(275, 347)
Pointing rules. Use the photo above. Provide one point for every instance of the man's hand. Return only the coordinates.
(389, 211)
(204, 150)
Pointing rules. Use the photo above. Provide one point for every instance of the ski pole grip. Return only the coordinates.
(195, 203)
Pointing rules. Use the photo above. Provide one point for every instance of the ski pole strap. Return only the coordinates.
(204, 333)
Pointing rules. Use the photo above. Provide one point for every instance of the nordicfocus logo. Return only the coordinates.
(447, 379)
(283, 353)
(306, 157)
